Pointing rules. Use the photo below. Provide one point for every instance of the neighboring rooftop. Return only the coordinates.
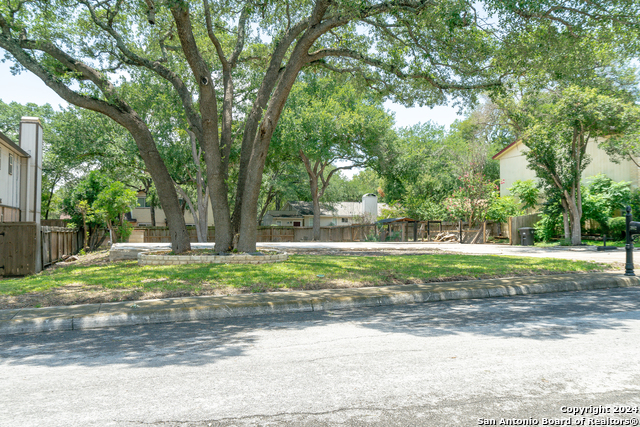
(333, 209)
(9, 143)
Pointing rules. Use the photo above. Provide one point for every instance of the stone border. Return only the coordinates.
(153, 258)
(90, 316)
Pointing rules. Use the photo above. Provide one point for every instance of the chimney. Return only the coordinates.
(370, 207)
(31, 175)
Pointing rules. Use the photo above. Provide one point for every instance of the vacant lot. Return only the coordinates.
(93, 279)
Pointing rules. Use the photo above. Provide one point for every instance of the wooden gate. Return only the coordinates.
(18, 243)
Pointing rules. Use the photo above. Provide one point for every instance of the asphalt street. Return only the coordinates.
(458, 363)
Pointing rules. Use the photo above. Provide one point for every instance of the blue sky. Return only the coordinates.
(26, 87)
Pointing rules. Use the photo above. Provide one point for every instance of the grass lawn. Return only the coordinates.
(125, 280)
(618, 243)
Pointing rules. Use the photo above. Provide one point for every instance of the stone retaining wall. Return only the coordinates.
(151, 258)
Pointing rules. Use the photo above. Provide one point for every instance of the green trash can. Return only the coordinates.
(526, 236)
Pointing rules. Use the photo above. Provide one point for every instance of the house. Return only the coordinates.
(21, 173)
(513, 166)
(300, 214)
(141, 213)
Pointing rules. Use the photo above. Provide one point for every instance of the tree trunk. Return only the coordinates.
(153, 216)
(270, 195)
(316, 210)
(112, 234)
(248, 231)
(565, 220)
(567, 226)
(84, 230)
(316, 219)
(575, 217)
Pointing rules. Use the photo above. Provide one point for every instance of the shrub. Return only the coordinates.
(547, 228)
(502, 208)
(527, 192)
(617, 226)
(123, 231)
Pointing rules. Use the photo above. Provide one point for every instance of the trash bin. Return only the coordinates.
(526, 236)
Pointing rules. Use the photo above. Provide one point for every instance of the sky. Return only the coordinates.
(26, 87)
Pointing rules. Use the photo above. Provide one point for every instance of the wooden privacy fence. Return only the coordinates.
(347, 233)
(517, 222)
(162, 235)
(9, 214)
(58, 243)
(18, 248)
(26, 247)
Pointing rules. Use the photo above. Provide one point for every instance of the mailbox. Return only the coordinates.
(634, 228)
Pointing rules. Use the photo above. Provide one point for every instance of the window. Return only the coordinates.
(278, 222)
(142, 202)
(345, 220)
(10, 170)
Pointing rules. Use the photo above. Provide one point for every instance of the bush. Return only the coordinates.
(502, 208)
(547, 228)
(123, 231)
(372, 238)
(617, 227)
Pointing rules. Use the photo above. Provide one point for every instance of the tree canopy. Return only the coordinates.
(231, 65)
(558, 126)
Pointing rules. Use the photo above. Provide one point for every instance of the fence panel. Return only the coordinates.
(18, 242)
(347, 233)
(58, 243)
(8, 214)
(517, 222)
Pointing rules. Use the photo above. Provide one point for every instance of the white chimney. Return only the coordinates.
(31, 179)
(370, 207)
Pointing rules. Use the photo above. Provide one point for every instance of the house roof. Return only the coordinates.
(349, 209)
(306, 208)
(390, 220)
(505, 149)
(284, 215)
(12, 145)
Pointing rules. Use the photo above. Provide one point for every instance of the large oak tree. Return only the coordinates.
(233, 63)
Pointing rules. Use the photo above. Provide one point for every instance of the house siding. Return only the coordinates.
(10, 188)
(143, 216)
(514, 167)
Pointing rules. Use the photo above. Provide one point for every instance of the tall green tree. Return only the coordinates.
(232, 64)
(558, 126)
(111, 204)
(327, 121)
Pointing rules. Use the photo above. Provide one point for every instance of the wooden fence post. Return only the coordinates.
(484, 232)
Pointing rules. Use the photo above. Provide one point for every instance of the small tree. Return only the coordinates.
(78, 200)
(527, 192)
(84, 208)
(558, 128)
(327, 121)
(472, 200)
(112, 203)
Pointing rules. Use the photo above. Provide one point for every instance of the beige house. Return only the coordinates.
(21, 173)
(141, 214)
(300, 214)
(513, 166)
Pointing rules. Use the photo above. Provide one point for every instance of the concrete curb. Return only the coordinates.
(105, 315)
